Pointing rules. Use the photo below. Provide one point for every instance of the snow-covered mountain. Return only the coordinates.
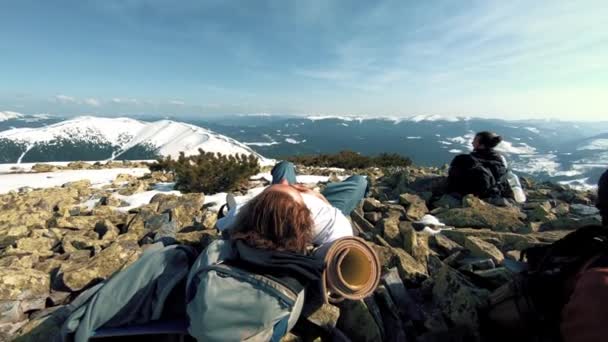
(571, 152)
(96, 138)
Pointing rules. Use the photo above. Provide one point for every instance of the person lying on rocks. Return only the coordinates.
(602, 197)
(327, 211)
(483, 172)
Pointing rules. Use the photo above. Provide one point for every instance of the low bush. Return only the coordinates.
(352, 160)
(209, 172)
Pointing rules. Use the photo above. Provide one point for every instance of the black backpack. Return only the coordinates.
(469, 175)
(534, 300)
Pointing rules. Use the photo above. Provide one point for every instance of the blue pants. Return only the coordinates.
(344, 195)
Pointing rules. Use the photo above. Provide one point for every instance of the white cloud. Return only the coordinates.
(177, 102)
(65, 99)
(92, 102)
(119, 100)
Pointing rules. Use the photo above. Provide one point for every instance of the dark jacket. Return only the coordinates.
(482, 173)
(602, 197)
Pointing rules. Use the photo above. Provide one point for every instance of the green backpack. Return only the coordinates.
(229, 303)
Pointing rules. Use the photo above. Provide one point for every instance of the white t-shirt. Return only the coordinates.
(330, 223)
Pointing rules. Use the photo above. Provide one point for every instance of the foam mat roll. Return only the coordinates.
(352, 269)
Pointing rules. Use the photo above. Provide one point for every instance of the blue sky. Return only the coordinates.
(505, 59)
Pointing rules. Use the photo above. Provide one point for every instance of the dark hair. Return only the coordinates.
(274, 220)
(488, 139)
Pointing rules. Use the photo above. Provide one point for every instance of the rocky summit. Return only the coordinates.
(57, 242)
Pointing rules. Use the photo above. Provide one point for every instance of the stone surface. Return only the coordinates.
(326, 315)
(447, 201)
(482, 249)
(371, 204)
(444, 245)
(415, 206)
(458, 299)
(483, 215)
(505, 241)
(357, 322)
(101, 266)
(21, 290)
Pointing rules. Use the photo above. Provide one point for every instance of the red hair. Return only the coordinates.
(274, 220)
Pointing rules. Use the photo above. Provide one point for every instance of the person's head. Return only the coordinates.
(276, 219)
(486, 140)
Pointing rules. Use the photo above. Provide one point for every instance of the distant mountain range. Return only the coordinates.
(96, 138)
(572, 153)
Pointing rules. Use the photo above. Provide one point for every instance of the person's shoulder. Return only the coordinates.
(604, 178)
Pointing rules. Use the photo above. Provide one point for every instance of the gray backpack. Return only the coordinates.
(226, 303)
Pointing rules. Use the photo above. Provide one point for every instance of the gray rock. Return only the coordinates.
(583, 210)
(458, 299)
(482, 249)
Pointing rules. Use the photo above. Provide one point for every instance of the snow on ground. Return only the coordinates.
(532, 129)
(7, 115)
(294, 141)
(537, 164)
(508, 147)
(143, 198)
(261, 143)
(455, 151)
(579, 184)
(597, 144)
(98, 178)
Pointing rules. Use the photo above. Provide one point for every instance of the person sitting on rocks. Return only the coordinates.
(602, 198)
(483, 172)
(324, 212)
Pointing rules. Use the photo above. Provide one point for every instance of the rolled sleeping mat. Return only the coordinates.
(352, 269)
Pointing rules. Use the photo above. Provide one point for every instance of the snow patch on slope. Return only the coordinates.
(597, 144)
(8, 115)
(166, 137)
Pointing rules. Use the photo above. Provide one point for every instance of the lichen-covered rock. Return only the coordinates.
(415, 206)
(41, 246)
(21, 290)
(44, 168)
(371, 204)
(482, 249)
(410, 271)
(74, 222)
(391, 232)
(357, 322)
(458, 299)
(504, 241)
(115, 257)
(483, 215)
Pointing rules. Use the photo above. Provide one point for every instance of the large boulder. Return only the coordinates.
(120, 254)
(410, 271)
(458, 299)
(415, 206)
(42, 246)
(482, 249)
(504, 241)
(186, 208)
(357, 322)
(479, 214)
(44, 168)
(21, 290)
(74, 222)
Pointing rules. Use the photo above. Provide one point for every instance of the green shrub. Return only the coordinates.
(351, 160)
(209, 172)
